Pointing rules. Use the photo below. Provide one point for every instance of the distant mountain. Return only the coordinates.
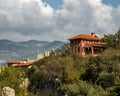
(35, 42)
(26, 49)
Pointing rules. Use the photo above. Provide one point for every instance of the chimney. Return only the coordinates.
(93, 34)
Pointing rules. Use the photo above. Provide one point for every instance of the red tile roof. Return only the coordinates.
(23, 64)
(84, 36)
(19, 64)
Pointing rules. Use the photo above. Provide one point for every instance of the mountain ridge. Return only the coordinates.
(25, 49)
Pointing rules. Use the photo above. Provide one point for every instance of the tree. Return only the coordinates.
(106, 79)
(110, 40)
(12, 77)
(81, 88)
(63, 50)
(118, 36)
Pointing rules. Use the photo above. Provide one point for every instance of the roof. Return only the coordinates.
(84, 36)
(23, 65)
(19, 64)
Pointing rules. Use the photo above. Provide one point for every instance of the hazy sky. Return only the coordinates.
(50, 20)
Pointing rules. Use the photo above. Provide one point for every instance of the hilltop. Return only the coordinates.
(68, 74)
(76, 76)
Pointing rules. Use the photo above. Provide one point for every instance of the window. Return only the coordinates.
(78, 48)
(75, 50)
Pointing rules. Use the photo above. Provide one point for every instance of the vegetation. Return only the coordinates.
(112, 40)
(12, 77)
(69, 75)
(77, 76)
(66, 74)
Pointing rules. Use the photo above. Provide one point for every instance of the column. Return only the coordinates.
(92, 49)
(83, 52)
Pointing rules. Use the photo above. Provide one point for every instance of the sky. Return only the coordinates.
(49, 20)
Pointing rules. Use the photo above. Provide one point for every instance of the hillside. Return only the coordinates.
(70, 75)
(25, 49)
(66, 73)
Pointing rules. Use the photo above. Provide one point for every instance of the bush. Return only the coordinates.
(11, 77)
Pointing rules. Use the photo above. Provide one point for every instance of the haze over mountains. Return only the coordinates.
(10, 50)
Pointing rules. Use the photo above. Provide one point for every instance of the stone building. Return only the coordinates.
(84, 44)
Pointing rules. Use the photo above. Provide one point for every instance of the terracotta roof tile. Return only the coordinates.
(84, 36)
(19, 64)
(23, 64)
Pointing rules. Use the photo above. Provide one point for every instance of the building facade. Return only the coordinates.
(84, 44)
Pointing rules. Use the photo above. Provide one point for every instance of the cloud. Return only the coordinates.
(35, 19)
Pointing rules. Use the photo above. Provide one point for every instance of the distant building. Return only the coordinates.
(27, 63)
(40, 56)
(84, 44)
(20, 63)
(46, 54)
